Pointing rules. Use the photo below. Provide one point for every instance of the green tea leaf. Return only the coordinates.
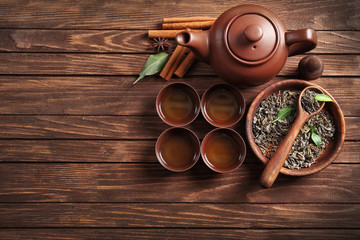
(323, 98)
(283, 113)
(153, 65)
(315, 136)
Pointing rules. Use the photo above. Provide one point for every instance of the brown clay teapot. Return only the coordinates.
(247, 45)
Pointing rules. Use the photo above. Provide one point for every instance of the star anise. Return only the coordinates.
(161, 44)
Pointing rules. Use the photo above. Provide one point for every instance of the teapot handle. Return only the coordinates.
(300, 41)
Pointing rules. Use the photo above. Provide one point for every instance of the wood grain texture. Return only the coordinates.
(111, 127)
(131, 64)
(95, 182)
(179, 234)
(181, 215)
(79, 151)
(112, 151)
(97, 41)
(118, 96)
(134, 41)
(148, 14)
(77, 138)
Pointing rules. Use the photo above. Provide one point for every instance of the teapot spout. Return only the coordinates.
(198, 42)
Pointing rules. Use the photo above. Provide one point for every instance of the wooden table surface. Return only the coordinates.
(77, 138)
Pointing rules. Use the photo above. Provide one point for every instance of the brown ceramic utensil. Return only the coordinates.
(223, 105)
(178, 104)
(177, 149)
(273, 167)
(223, 150)
(248, 44)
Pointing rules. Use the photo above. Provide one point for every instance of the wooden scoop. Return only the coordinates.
(273, 167)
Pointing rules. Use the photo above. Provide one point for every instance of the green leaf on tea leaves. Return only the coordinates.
(315, 136)
(153, 65)
(283, 113)
(323, 98)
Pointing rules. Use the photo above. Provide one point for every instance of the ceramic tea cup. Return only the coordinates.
(223, 150)
(222, 105)
(177, 149)
(178, 104)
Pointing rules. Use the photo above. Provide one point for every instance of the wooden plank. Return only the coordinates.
(134, 41)
(178, 234)
(78, 151)
(112, 151)
(86, 95)
(131, 64)
(350, 153)
(122, 15)
(93, 182)
(181, 215)
(104, 41)
(339, 42)
(111, 127)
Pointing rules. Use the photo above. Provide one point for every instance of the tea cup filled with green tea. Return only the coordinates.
(223, 150)
(222, 105)
(178, 104)
(177, 149)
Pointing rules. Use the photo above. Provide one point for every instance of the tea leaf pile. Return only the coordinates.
(309, 103)
(268, 135)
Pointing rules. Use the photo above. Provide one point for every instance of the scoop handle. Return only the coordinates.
(273, 167)
(300, 41)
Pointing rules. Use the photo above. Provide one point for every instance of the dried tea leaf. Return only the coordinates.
(283, 113)
(268, 136)
(153, 65)
(308, 102)
(323, 98)
(315, 136)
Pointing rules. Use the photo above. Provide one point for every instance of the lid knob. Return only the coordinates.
(253, 33)
(252, 38)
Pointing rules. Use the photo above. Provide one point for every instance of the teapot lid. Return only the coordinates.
(251, 37)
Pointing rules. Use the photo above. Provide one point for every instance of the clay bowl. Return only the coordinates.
(214, 144)
(223, 96)
(333, 108)
(182, 95)
(175, 143)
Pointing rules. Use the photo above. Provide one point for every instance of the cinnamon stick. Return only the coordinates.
(173, 62)
(192, 25)
(166, 33)
(185, 65)
(187, 19)
(163, 33)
